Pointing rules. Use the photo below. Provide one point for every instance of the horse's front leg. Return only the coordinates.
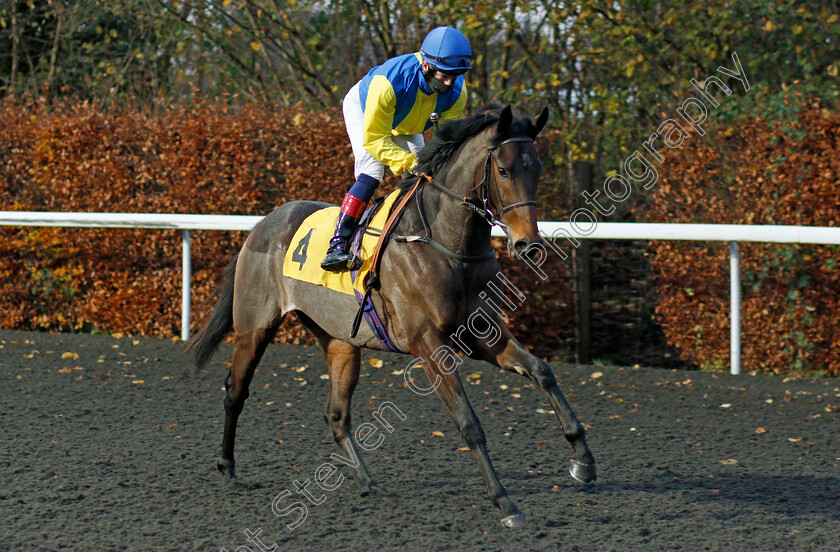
(439, 365)
(506, 352)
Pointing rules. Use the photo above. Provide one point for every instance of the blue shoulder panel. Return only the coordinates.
(403, 72)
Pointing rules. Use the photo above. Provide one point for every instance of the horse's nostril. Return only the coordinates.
(527, 248)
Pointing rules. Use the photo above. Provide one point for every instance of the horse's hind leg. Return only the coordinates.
(344, 362)
(247, 351)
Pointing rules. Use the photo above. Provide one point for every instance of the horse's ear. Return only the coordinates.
(505, 119)
(540, 121)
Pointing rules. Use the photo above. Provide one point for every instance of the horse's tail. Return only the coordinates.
(206, 341)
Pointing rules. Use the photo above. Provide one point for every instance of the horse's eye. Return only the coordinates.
(503, 172)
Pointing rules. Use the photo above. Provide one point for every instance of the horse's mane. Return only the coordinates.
(451, 135)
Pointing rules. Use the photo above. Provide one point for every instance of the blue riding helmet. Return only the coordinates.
(448, 50)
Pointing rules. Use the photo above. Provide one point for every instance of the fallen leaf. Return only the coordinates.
(761, 430)
(792, 440)
(726, 405)
(173, 426)
(596, 375)
(300, 369)
(464, 449)
(541, 443)
(70, 355)
(473, 376)
(65, 370)
(138, 381)
(437, 433)
(376, 363)
(729, 462)
(325, 376)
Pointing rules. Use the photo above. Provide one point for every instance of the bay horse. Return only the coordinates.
(482, 170)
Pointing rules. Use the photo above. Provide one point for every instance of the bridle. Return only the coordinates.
(481, 205)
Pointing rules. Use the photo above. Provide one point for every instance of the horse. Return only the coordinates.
(480, 170)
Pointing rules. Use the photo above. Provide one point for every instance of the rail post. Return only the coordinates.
(186, 276)
(735, 309)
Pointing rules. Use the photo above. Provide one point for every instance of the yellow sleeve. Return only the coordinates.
(380, 107)
(457, 110)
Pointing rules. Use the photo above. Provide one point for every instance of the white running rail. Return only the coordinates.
(731, 233)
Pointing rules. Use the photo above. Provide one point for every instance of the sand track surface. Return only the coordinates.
(111, 444)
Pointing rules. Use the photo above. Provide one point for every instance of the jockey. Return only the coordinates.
(386, 114)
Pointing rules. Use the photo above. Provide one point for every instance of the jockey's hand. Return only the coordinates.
(413, 174)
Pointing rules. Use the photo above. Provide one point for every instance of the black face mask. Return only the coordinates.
(435, 84)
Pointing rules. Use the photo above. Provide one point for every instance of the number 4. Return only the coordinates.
(299, 255)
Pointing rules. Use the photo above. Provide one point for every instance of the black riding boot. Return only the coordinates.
(338, 257)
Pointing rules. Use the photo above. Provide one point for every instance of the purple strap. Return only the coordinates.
(370, 314)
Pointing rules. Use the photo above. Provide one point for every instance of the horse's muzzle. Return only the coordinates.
(526, 249)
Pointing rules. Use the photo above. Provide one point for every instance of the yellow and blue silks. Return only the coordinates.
(397, 101)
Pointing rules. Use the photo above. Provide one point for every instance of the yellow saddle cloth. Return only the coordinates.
(309, 247)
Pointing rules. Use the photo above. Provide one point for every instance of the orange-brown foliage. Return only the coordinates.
(755, 173)
(206, 159)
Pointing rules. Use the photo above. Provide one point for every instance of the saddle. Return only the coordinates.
(311, 239)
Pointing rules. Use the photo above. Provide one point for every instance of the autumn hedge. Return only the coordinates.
(754, 172)
(211, 159)
(206, 159)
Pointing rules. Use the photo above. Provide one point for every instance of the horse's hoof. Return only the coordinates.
(514, 522)
(584, 473)
(375, 490)
(227, 469)
(230, 480)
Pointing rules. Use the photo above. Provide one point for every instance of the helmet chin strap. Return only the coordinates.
(435, 84)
